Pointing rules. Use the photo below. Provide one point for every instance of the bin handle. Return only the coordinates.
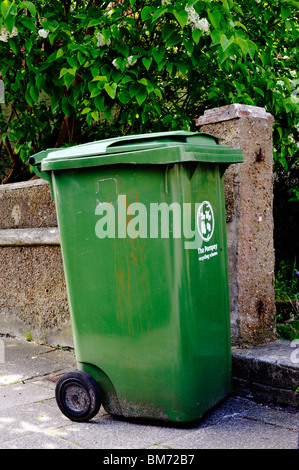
(36, 162)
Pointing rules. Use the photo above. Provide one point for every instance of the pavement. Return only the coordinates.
(31, 419)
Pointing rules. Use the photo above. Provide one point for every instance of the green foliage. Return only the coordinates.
(288, 331)
(286, 282)
(287, 297)
(28, 335)
(78, 70)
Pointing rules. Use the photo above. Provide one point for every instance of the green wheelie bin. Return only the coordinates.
(143, 239)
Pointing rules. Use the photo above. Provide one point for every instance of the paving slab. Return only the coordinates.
(236, 433)
(31, 419)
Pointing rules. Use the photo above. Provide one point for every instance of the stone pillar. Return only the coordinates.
(249, 206)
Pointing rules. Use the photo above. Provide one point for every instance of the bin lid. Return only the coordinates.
(153, 148)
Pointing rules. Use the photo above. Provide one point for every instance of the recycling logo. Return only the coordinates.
(205, 221)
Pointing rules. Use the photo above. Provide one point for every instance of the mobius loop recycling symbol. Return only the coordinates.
(205, 221)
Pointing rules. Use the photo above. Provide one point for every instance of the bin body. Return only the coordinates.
(149, 306)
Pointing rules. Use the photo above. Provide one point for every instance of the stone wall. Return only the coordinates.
(33, 301)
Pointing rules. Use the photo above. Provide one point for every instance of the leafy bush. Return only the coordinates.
(287, 282)
(288, 331)
(79, 70)
(287, 297)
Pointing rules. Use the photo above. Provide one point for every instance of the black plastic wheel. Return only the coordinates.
(78, 396)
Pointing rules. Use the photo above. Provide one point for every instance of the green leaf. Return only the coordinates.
(59, 53)
(283, 162)
(259, 91)
(52, 37)
(181, 17)
(132, 90)
(285, 12)
(106, 34)
(147, 61)
(213, 94)
(63, 71)
(55, 99)
(94, 22)
(68, 80)
(95, 92)
(169, 68)
(111, 89)
(115, 31)
(95, 115)
(123, 49)
(215, 18)
(28, 23)
(99, 102)
(81, 58)
(279, 130)
(71, 61)
(34, 93)
(30, 6)
(28, 98)
(174, 39)
(121, 62)
(252, 48)
(167, 30)
(126, 79)
(225, 42)
(95, 71)
(146, 13)
(72, 71)
(10, 21)
(141, 96)
(161, 65)
(105, 70)
(242, 43)
(158, 54)
(66, 108)
(100, 78)
(188, 43)
(144, 82)
(86, 110)
(6, 6)
(216, 36)
(39, 81)
(123, 97)
(116, 76)
(52, 57)
(196, 34)
(73, 100)
(159, 13)
(107, 113)
(158, 93)
(13, 46)
(182, 67)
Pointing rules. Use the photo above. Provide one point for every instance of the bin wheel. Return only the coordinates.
(78, 396)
